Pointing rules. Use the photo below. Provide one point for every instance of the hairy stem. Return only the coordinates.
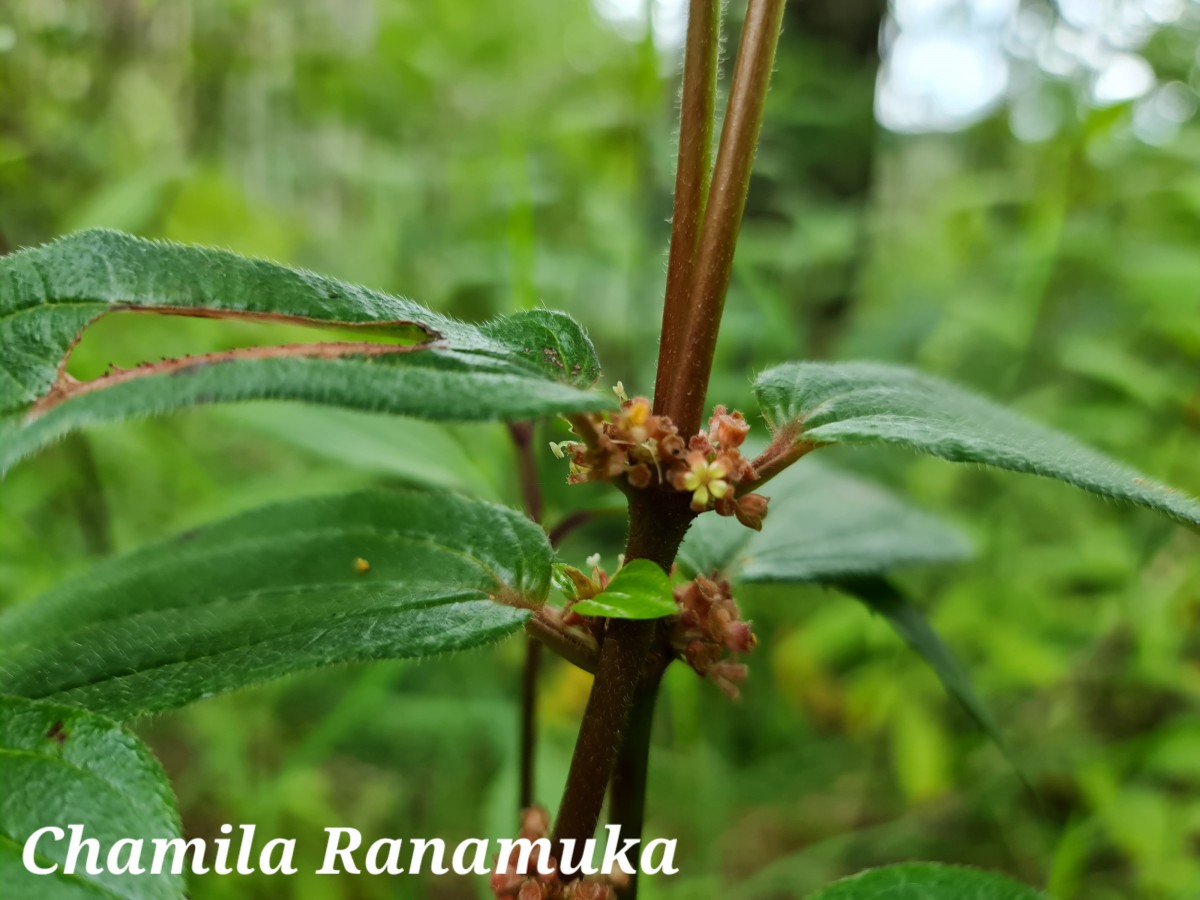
(785, 448)
(531, 494)
(698, 99)
(658, 520)
(574, 648)
(529, 683)
(627, 797)
(687, 384)
(657, 524)
(527, 470)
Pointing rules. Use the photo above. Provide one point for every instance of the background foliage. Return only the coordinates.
(489, 157)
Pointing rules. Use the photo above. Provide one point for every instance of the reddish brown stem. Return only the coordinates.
(529, 679)
(698, 99)
(571, 647)
(531, 493)
(527, 470)
(577, 519)
(784, 449)
(627, 797)
(687, 383)
(659, 520)
(657, 524)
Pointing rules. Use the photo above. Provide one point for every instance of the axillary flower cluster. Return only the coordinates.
(647, 450)
(540, 881)
(708, 633)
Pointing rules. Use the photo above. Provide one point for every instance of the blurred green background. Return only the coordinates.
(1012, 201)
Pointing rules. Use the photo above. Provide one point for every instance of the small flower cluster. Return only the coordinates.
(535, 827)
(647, 449)
(576, 586)
(709, 629)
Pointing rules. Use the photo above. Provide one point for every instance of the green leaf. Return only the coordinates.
(639, 590)
(425, 454)
(277, 590)
(532, 364)
(927, 881)
(61, 765)
(822, 525)
(872, 403)
(882, 597)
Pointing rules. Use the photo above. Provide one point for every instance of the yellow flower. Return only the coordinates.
(706, 481)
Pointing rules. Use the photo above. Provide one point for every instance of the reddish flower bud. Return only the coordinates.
(531, 890)
(727, 430)
(535, 820)
(727, 676)
(726, 506)
(739, 638)
(671, 446)
(592, 890)
(751, 510)
(640, 475)
(500, 883)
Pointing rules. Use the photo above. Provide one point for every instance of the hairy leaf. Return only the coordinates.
(531, 364)
(871, 403)
(927, 881)
(639, 590)
(387, 574)
(822, 525)
(61, 765)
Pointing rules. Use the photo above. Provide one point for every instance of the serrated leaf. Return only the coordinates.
(372, 575)
(823, 524)
(872, 403)
(639, 590)
(927, 881)
(61, 765)
(882, 597)
(532, 364)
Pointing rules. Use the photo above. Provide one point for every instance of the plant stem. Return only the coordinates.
(687, 384)
(533, 658)
(570, 647)
(691, 176)
(785, 448)
(622, 657)
(627, 797)
(657, 523)
(658, 520)
(531, 493)
(559, 532)
(90, 503)
(527, 470)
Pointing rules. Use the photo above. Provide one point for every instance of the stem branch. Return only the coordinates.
(687, 384)
(691, 178)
